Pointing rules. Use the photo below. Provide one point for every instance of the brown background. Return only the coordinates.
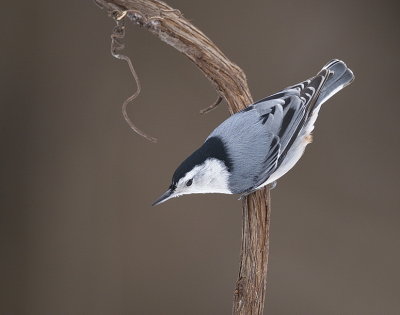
(78, 234)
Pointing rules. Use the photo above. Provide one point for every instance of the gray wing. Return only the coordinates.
(259, 136)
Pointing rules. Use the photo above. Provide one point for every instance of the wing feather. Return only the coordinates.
(284, 114)
(261, 135)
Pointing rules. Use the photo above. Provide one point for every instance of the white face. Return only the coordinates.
(209, 177)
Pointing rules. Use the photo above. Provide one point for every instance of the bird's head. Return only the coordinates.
(207, 170)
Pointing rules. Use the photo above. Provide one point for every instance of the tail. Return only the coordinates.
(339, 77)
(330, 80)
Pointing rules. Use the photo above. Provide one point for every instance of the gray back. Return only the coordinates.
(248, 143)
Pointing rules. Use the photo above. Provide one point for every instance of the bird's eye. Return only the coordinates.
(189, 182)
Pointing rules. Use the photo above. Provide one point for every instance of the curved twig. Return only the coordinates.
(212, 106)
(230, 82)
(118, 34)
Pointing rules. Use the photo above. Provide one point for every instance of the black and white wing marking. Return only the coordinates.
(284, 114)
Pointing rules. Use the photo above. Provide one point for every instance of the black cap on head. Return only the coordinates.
(212, 148)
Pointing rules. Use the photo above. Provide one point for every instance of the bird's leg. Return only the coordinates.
(245, 194)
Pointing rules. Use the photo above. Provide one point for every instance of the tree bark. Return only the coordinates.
(231, 84)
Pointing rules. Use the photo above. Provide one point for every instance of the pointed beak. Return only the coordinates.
(167, 195)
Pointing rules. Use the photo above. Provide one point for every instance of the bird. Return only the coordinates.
(258, 145)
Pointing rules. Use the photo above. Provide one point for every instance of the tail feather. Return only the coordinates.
(341, 77)
(335, 76)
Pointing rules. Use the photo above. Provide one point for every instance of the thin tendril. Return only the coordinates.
(118, 34)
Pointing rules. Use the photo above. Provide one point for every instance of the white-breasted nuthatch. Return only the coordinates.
(255, 147)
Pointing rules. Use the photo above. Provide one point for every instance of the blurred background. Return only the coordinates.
(77, 232)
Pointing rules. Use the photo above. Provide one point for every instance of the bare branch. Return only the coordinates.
(212, 106)
(231, 84)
